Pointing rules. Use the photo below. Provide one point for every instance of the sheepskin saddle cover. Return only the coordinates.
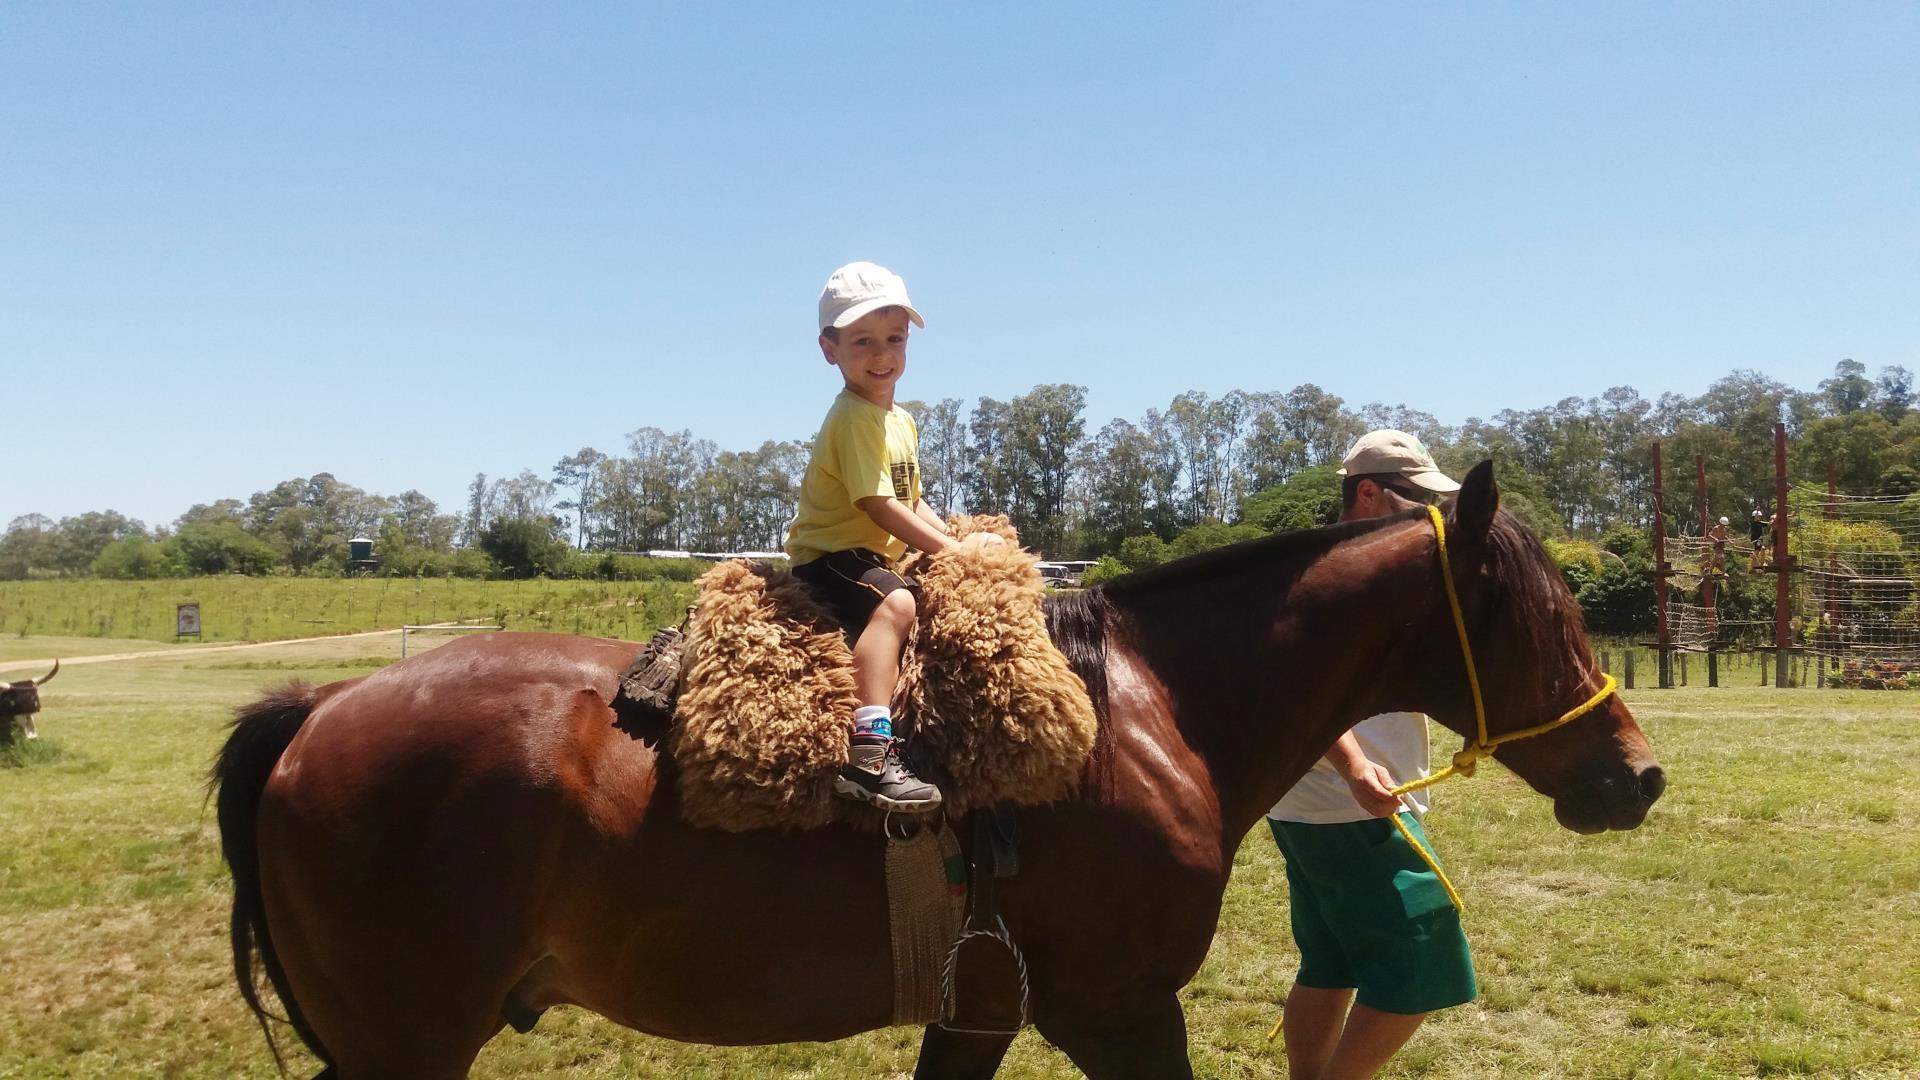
(990, 708)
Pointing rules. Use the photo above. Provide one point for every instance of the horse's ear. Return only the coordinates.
(1479, 498)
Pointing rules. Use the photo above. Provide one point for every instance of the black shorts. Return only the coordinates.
(852, 583)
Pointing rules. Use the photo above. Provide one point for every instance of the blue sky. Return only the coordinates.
(408, 243)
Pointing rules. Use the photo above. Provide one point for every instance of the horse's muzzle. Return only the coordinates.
(1653, 783)
(1618, 802)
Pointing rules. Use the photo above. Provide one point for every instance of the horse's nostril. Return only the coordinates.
(1653, 781)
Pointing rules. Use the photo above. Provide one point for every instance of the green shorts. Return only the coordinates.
(1368, 914)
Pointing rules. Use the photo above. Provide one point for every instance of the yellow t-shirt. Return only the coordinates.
(862, 450)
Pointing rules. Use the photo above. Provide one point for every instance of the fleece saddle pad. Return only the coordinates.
(767, 700)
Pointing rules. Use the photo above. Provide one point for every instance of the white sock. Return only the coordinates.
(873, 720)
(872, 732)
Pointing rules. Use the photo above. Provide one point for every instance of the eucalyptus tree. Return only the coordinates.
(666, 468)
(1893, 393)
(1045, 429)
(310, 519)
(27, 546)
(943, 453)
(990, 465)
(1119, 469)
(578, 472)
(1322, 423)
(79, 540)
(415, 522)
(1273, 451)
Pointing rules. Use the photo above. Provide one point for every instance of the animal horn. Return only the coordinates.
(48, 677)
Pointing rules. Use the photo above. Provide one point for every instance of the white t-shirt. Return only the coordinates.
(1397, 740)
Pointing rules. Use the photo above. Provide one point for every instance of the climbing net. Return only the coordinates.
(1857, 597)
(1741, 615)
(1698, 628)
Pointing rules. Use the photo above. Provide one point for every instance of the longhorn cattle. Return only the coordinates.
(18, 702)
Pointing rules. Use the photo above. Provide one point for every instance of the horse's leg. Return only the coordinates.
(1150, 1045)
(946, 1055)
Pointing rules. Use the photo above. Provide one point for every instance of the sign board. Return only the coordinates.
(186, 620)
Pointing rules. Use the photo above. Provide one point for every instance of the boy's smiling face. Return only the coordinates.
(871, 354)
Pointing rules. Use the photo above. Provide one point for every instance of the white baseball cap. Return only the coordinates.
(860, 288)
(1396, 453)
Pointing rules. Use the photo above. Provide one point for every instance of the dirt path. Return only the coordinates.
(40, 666)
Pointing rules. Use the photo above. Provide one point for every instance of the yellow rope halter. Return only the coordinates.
(1468, 759)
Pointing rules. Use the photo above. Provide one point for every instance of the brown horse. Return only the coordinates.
(472, 835)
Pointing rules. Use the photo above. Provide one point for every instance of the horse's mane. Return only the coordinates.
(1279, 549)
(1077, 621)
(1540, 604)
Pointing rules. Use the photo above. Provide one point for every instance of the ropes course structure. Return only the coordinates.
(1709, 571)
(1857, 600)
(1846, 584)
(1704, 595)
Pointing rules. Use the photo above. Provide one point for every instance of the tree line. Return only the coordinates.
(1202, 471)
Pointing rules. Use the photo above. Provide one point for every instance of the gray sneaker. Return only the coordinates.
(893, 788)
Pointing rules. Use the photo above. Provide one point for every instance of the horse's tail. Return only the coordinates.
(261, 732)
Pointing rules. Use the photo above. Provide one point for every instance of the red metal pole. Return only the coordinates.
(1782, 568)
(1661, 635)
(1826, 634)
(1713, 559)
(1707, 557)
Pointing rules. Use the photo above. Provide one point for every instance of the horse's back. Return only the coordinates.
(475, 743)
(495, 705)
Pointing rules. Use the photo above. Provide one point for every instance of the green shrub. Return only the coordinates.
(523, 547)
(1580, 561)
(1619, 599)
(648, 568)
(1212, 534)
(1628, 542)
(221, 547)
(1309, 498)
(417, 562)
(1106, 569)
(1142, 552)
(136, 558)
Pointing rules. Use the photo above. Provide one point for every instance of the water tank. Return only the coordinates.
(359, 549)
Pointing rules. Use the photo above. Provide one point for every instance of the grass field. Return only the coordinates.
(277, 609)
(1765, 922)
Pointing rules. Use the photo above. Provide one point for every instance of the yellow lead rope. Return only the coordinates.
(1468, 759)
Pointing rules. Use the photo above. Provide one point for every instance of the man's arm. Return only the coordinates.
(890, 514)
(1371, 783)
